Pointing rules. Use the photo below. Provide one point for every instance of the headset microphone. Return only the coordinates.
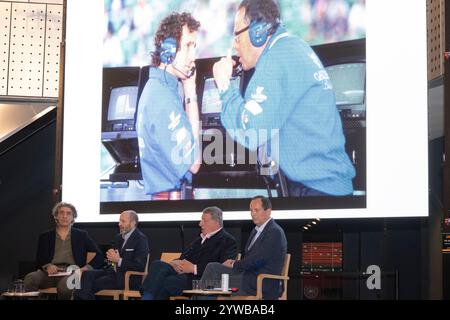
(189, 74)
(168, 53)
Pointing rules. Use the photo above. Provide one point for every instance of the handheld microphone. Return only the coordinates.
(237, 68)
(237, 71)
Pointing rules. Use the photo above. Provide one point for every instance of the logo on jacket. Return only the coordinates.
(174, 121)
(316, 60)
(258, 96)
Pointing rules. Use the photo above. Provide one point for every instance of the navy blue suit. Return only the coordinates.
(134, 257)
(265, 256)
(81, 243)
(163, 281)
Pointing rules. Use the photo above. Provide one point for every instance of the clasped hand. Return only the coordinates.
(113, 255)
(182, 266)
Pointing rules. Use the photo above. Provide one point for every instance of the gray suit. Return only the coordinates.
(266, 255)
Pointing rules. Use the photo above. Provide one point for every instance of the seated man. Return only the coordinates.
(129, 253)
(60, 248)
(264, 253)
(213, 244)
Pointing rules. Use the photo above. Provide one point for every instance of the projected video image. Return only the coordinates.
(292, 126)
(131, 25)
(233, 164)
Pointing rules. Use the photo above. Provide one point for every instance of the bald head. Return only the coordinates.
(127, 221)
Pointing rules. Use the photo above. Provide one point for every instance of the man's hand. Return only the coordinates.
(113, 255)
(52, 269)
(176, 265)
(229, 263)
(187, 266)
(85, 268)
(222, 71)
(189, 85)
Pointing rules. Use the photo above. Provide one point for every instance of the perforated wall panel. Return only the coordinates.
(436, 37)
(30, 37)
(26, 49)
(5, 21)
(53, 36)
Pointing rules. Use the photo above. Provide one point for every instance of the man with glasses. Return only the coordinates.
(290, 98)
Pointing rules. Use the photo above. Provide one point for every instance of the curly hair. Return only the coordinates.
(262, 10)
(172, 26)
(60, 205)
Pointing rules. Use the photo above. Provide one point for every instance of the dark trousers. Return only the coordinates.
(96, 280)
(163, 281)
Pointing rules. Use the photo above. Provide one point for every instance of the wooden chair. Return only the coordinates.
(126, 291)
(52, 290)
(170, 256)
(238, 257)
(259, 283)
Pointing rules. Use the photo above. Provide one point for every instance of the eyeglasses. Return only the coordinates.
(237, 33)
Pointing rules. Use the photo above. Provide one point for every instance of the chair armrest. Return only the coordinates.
(128, 274)
(263, 276)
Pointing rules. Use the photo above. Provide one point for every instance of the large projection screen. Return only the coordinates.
(396, 99)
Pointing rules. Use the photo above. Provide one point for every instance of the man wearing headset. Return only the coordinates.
(60, 248)
(290, 96)
(168, 119)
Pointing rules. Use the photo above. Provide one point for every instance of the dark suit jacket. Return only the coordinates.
(133, 254)
(265, 256)
(218, 248)
(81, 243)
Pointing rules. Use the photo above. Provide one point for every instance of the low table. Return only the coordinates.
(211, 293)
(21, 295)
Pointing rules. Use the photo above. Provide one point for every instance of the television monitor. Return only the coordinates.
(348, 83)
(396, 88)
(211, 103)
(122, 103)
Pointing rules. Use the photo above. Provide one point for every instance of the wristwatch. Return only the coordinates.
(188, 100)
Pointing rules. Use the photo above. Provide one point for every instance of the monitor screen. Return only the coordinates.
(211, 100)
(396, 88)
(348, 83)
(122, 103)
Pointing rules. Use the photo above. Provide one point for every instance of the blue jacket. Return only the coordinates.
(265, 256)
(290, 96)
(166, 143)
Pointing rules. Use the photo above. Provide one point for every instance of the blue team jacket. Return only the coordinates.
(166, 143)
(290, 98)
